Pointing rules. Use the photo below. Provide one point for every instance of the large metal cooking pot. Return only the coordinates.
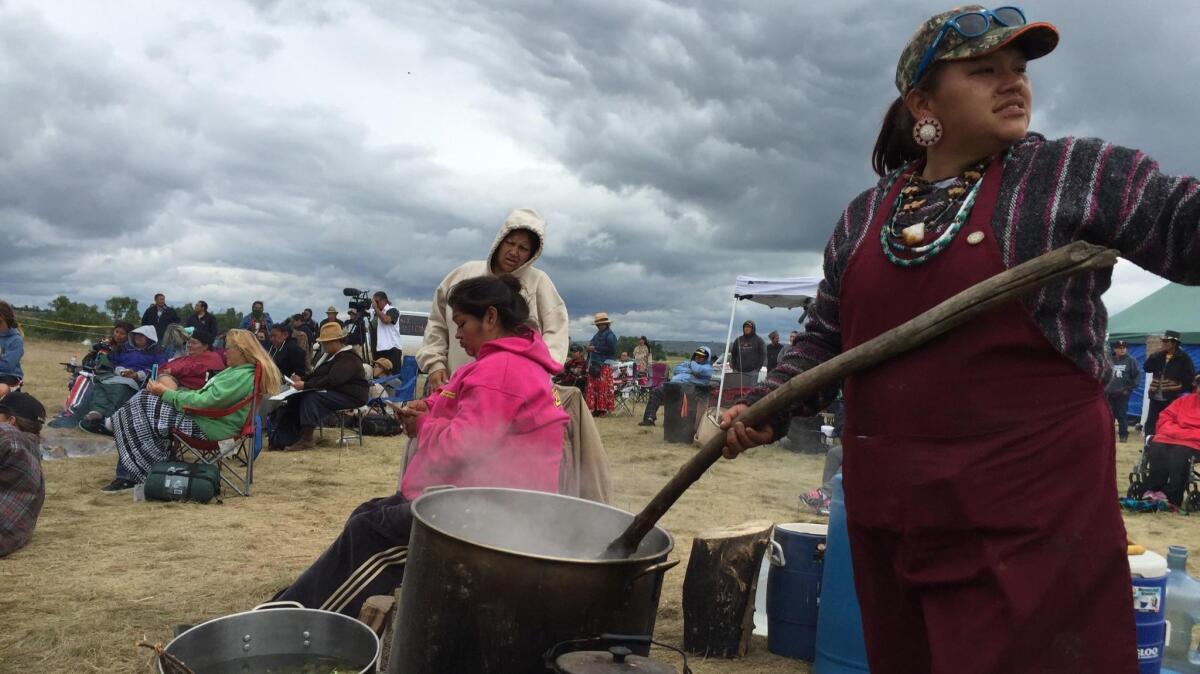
(270, 640)
(496, 576)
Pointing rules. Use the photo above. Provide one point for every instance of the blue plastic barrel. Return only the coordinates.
(1149, 572)
(840, 645)
(794, 588)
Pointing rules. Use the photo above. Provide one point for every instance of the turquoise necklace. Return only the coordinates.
(926, 252)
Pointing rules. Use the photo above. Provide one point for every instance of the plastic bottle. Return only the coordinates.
(1183, 612)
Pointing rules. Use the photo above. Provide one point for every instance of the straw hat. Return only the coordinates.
(384, 363)
(331, 310)
(331, 332)
(601, 319)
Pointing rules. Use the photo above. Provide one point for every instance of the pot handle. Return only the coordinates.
(661, 566)
(279, 604)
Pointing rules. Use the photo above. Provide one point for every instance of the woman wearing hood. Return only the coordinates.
(496, 423)
(518, 245)
(130, 368)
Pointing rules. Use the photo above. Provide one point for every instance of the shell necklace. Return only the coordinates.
(912, 247)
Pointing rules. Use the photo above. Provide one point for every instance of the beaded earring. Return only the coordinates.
(927, 131)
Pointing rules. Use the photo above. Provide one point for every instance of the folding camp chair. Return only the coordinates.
(625, 394)
(658, 375)
(233, 457)
(403, 387)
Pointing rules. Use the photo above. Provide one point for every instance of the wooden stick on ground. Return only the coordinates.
(1004, 287)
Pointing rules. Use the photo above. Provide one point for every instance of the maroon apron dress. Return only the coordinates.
(980, 480)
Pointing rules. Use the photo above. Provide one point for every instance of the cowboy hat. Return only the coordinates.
(331, 332)
(601, 319)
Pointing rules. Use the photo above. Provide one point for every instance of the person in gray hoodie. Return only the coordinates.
(748, 353)
(1125, 378)
(518, 244)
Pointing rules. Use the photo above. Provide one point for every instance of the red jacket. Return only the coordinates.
(496, 423)
(1179, 423)
(191, 371)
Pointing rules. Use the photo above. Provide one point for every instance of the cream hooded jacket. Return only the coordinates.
(440, 351)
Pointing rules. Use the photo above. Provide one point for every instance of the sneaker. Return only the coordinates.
(118, 485)
(646, 422)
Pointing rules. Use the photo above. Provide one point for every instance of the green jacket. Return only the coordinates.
(226, 388)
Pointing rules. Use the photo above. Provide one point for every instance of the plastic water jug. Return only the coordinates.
(794, 588)
(1183, 612)
(1149, 572)
(840, 645)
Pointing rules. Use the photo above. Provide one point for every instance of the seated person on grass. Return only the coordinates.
(143, 426)
(1176, 437)
(12, 348)
(119, 375)
(22, 488)
(696, 371)
(338, 383)
(495, 423)
(191, 371)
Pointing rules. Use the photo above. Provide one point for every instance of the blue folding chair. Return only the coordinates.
(403, 387)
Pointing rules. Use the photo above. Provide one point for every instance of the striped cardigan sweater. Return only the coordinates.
(1052, 192)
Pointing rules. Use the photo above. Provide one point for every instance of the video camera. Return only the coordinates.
(359, 300)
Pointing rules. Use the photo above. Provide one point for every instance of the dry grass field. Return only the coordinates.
(103, 572)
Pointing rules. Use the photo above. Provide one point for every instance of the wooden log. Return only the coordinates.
(1004, 287)
(389, 633)
(376, 612)
(719, 588)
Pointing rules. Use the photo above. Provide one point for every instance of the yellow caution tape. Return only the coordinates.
(39, 319)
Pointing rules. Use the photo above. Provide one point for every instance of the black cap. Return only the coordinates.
(1120, 343)
(24, 406)
(202, 335)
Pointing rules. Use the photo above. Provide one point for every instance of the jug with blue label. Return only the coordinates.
(1183, 612)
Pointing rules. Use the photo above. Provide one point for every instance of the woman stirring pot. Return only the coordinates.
(979, 468)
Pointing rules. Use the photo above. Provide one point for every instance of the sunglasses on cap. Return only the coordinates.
(968, 25)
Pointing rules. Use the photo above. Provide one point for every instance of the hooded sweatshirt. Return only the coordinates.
(440, 351)
(140, 360)
(691, 372)
(496, 423)
(12, 347)
(749, 352)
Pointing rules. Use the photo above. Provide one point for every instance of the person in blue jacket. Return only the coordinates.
(696, 371)
(12, 348)
(602, 353)
(132, 366)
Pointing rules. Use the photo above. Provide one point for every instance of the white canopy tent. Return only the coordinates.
(787, 293)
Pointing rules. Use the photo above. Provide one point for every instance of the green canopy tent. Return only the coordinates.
(1172, 307)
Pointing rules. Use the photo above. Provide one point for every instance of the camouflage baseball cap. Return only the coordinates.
(1035, 39)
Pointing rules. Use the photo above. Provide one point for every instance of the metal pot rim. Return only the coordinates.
(515, 553)
(285, 611)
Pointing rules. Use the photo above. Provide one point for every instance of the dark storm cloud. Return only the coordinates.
(682, 143)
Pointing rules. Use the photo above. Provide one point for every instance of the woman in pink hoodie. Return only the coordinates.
(496, 423)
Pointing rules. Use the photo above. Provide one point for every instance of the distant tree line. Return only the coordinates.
(76, 321)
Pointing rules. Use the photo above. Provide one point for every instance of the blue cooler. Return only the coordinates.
(794, 589)
(1149, 571)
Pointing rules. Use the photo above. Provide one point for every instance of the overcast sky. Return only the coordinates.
(284, 149)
